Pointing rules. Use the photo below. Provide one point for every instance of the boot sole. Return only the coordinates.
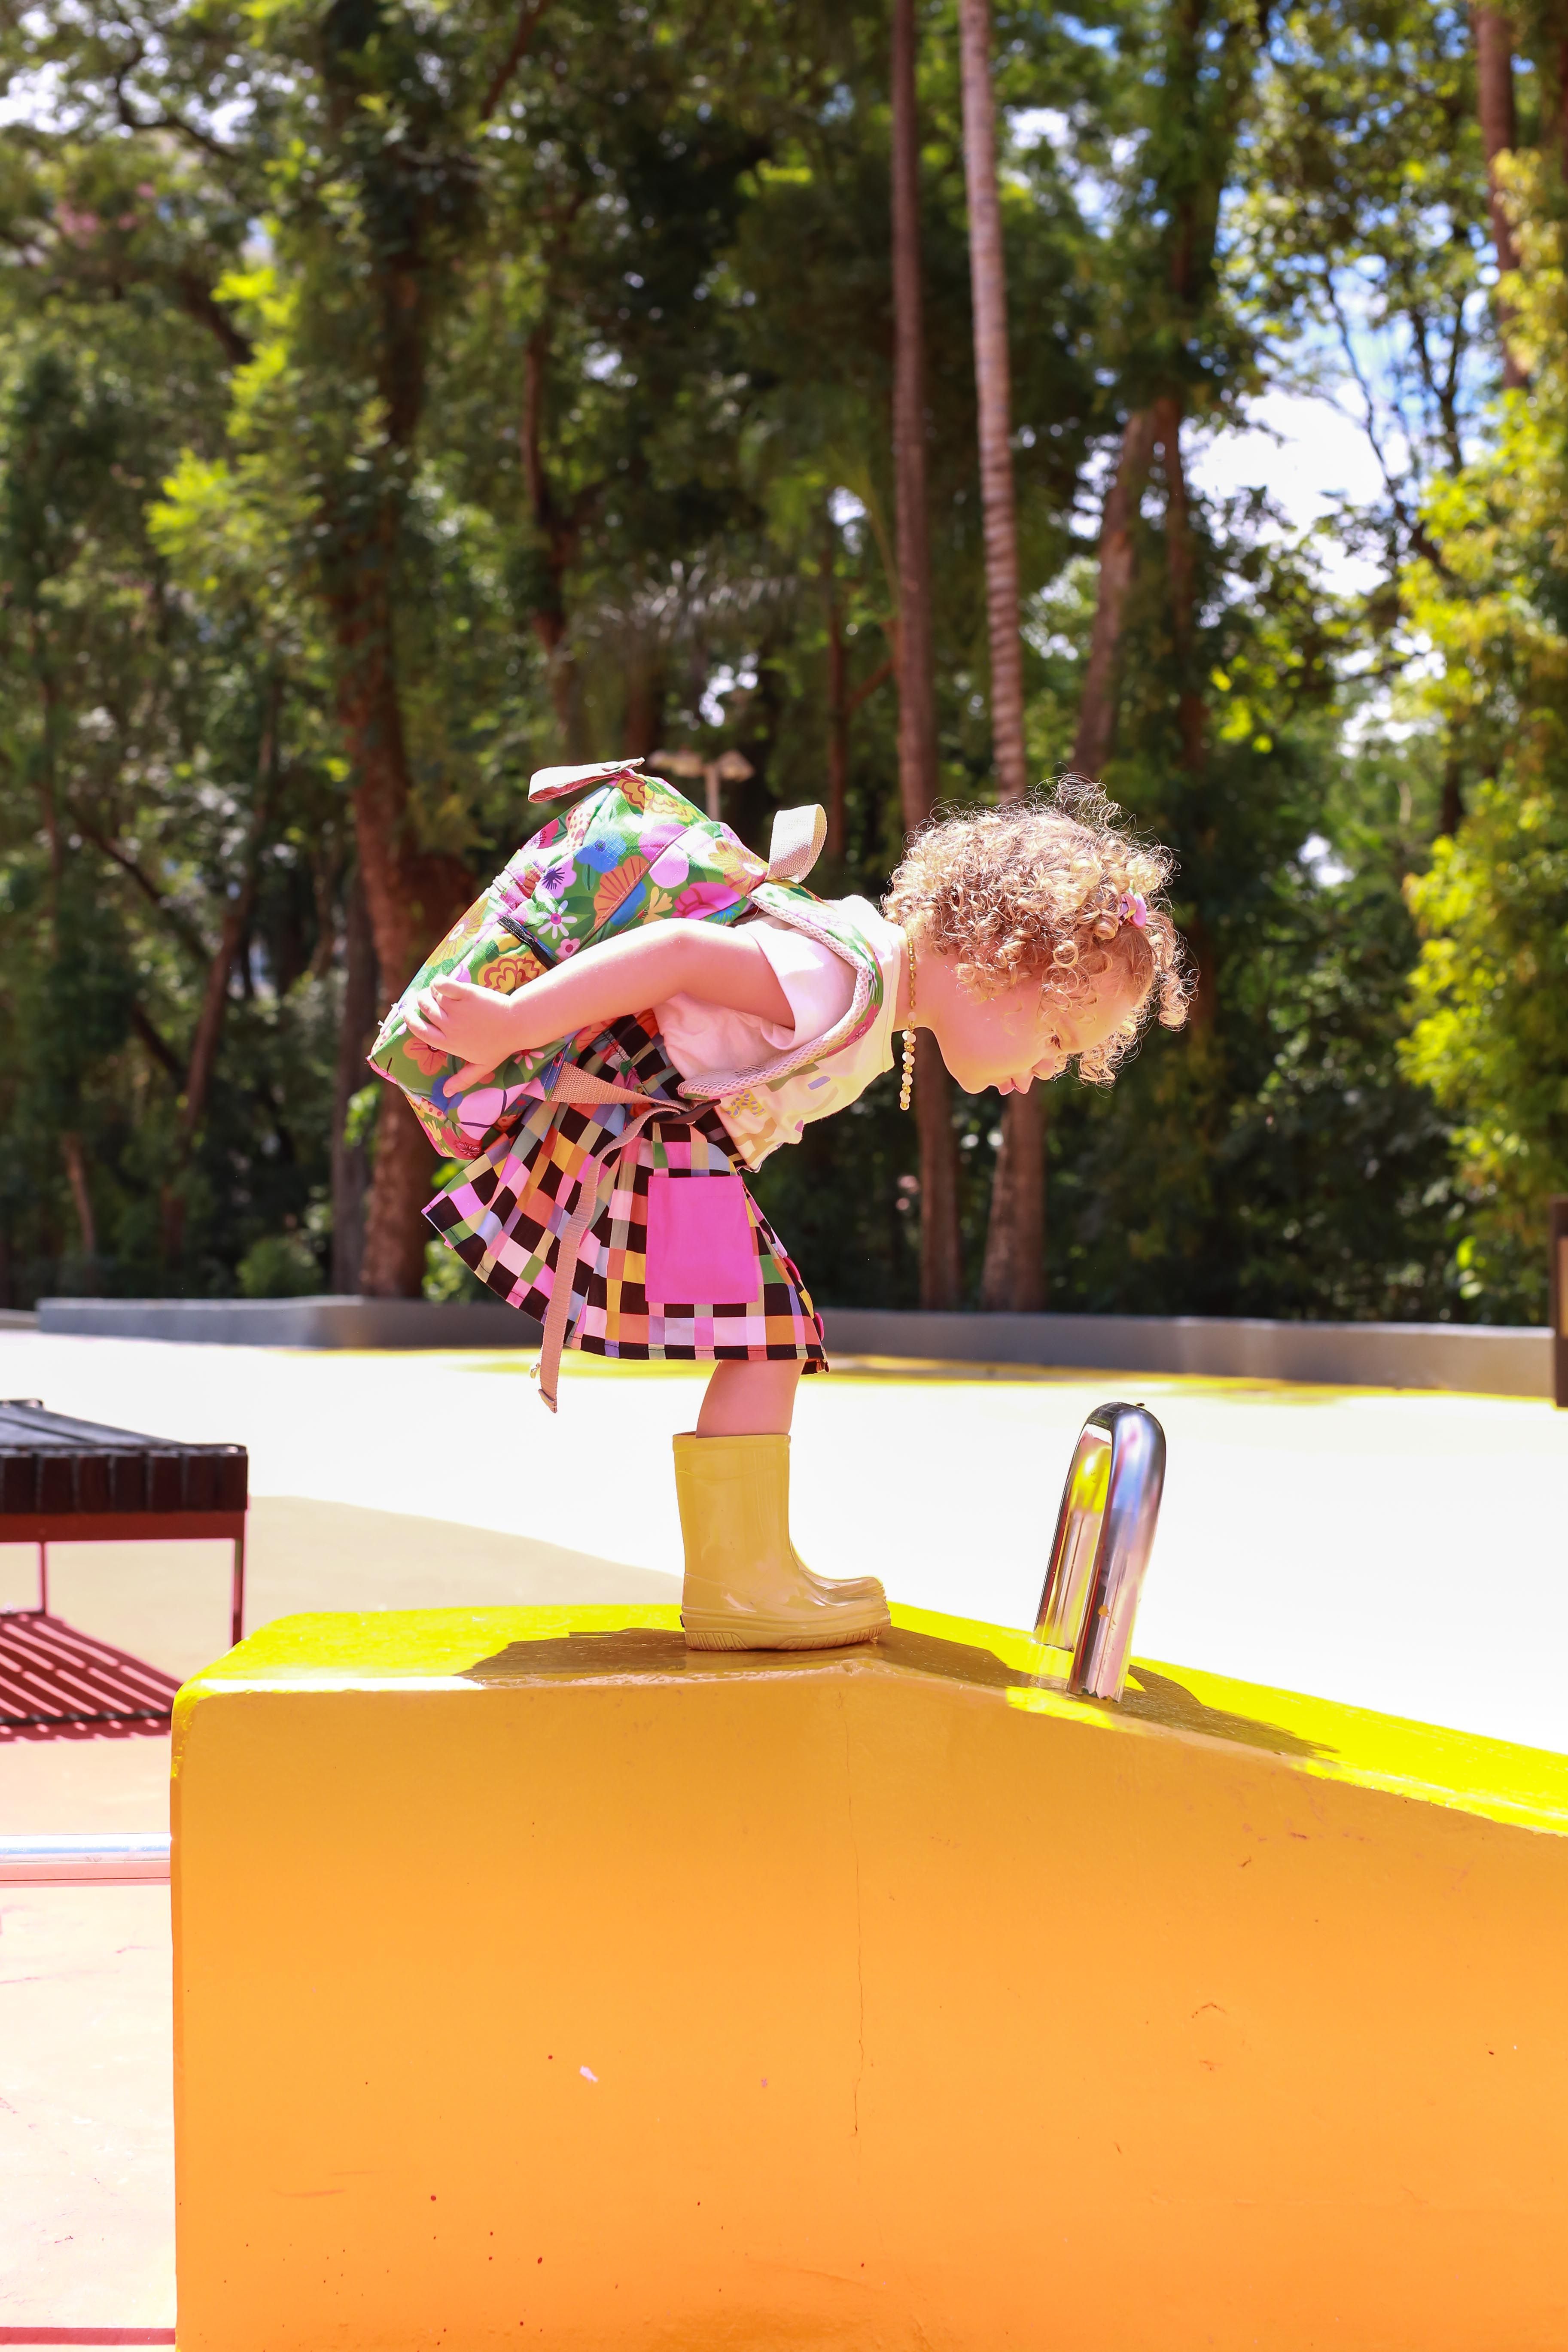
(701, 1637)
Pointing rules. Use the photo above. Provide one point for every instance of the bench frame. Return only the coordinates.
(45, 1527)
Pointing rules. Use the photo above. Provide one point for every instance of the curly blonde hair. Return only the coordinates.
(1040, 891)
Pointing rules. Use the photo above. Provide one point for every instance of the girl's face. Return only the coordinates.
(1009, 1041)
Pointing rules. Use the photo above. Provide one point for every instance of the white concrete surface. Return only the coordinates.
(1397, 1551)
(87, 2186)
(1403, 1551)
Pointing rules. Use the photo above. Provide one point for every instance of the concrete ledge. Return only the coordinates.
(537, 1980)
(1482, 1359)
(326, 1321)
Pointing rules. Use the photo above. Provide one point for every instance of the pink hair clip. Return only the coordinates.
(1133, 905)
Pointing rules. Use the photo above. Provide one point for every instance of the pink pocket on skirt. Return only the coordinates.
(701, 1250)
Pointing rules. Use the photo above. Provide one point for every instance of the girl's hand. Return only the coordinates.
(456, 1017)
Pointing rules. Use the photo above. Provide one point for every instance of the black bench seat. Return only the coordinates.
(67, 1481)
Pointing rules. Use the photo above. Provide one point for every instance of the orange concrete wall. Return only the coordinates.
(537, 1982)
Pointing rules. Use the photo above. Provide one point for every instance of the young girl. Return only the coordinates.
(1023, 938)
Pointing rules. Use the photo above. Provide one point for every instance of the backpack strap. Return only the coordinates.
(796, 845)
(554, 783)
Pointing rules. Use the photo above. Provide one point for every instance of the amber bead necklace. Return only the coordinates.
(906, 1089)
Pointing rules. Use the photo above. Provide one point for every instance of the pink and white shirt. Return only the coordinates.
(705, 1041)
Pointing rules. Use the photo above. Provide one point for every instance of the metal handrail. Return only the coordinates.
(109, 1858)
(1100, 1555)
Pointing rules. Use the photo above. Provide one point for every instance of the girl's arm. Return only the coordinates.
(673, 958)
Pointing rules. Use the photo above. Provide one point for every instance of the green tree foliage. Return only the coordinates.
(392, 400)
(131, 745)
(1490, 1037)
(1278, 1163)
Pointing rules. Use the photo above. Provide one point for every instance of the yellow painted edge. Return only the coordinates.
(1321, 1738)
(939, 1370)
(949, 1371)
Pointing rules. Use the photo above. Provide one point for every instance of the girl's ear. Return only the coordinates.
(1071, 985)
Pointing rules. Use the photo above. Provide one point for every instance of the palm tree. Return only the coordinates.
(1494, 103)
(1015, 1240)
(1117, 565)
(941, 1265)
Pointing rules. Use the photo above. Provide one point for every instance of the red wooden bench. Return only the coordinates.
(65, 1481)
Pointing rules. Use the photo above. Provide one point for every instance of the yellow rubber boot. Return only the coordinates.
(745, 1587)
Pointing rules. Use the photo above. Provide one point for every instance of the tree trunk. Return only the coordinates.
(988, 297)
(71, 1152)
(414, 896)
(561, 676)
(645, 707)
(397, 1234)
(411, 895)
(1208, 66)
(1118, 562)
(1494, 99)
(560, 532)
(202, 1063)
(75, 1159)
(1013, 1276)
(1181, 572)
(941, 1255)
(837, 704)
(1191, 711)
(356, 1029)
(917, 708)
(1451, 810)
(843, 700)
(1013, 1281)
(942, 1250)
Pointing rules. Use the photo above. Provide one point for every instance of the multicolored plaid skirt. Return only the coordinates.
(506, 1214)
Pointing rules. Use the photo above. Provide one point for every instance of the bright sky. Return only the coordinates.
(1299, 447)
(1306, 452)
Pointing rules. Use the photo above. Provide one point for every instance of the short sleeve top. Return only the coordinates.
(704, 1040)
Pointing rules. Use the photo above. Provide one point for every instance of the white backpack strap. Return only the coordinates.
(813, 917)
(554, 783)
(798, 837)
(581, 1088)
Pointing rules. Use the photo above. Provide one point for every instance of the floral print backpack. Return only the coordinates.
(633, 852)
(661, 1252)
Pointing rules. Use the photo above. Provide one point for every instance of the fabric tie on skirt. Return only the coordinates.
(580, 1089)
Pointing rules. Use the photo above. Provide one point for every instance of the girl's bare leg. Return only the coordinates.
(750, 1400)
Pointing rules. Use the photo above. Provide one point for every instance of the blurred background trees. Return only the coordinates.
(393, 400)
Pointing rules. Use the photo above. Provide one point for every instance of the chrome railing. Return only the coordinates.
(1105, 1532)
(107, 1858)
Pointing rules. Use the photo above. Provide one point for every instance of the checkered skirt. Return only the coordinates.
(505, 1213)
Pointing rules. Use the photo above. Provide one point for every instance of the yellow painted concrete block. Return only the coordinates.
(538, 1982)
